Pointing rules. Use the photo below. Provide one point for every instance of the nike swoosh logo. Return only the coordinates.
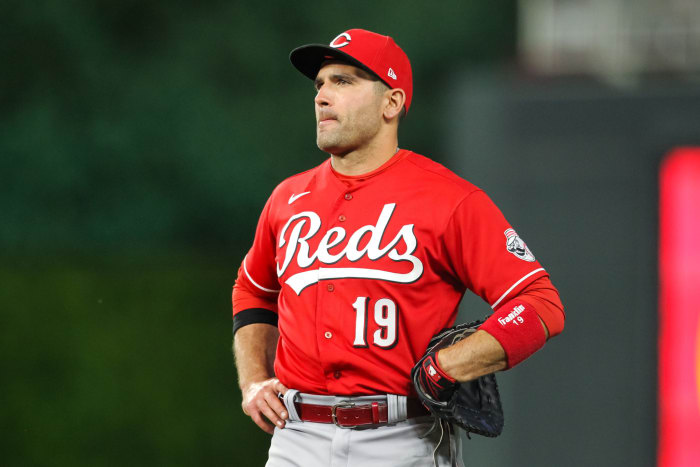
(296, 197)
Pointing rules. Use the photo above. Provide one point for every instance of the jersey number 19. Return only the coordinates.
(386, 315)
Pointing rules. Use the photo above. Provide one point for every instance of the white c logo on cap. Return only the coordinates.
(334, 43)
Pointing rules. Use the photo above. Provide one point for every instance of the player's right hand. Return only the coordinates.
(262, 404)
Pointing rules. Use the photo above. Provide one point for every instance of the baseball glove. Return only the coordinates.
(474, 405)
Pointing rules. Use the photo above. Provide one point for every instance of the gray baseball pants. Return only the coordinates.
(400, 443)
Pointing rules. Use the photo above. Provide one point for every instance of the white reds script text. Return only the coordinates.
(302, 227)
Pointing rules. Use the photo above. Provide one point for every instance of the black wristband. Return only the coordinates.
(252, 316)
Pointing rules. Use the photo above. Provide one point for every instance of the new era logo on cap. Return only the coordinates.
(373, 52)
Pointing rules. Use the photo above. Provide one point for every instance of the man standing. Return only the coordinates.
(358, 262)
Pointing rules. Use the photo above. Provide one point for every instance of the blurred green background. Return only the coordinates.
(138, 143)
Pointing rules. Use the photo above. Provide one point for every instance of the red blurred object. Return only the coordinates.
(679, 309)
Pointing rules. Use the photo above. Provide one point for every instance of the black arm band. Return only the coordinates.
(252, 316)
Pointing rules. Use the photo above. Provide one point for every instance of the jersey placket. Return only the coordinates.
(329, 304)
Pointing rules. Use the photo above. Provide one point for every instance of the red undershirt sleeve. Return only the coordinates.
(544, 298)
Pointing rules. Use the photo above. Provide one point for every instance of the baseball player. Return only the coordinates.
(358, 262)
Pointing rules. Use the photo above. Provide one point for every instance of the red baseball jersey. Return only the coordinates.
(365, 270)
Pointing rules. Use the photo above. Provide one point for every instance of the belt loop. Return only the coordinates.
(289, 399)
(396, 408)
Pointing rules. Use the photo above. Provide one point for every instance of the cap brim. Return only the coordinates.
(309, 58)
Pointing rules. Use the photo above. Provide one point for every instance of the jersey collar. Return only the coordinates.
(352, 179)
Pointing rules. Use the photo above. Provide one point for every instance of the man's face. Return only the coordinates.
(348, 108)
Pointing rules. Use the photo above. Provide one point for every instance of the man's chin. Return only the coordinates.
(330, 147)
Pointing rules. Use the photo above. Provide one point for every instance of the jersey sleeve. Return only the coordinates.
(246, 296)
(544, 297)
(256, 288)
(486, 253)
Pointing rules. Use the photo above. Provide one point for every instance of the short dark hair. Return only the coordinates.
(402, 115)
(381, 86)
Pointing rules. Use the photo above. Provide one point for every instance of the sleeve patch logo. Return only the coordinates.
(517, 246)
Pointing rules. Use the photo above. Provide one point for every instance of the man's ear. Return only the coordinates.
(395, 102)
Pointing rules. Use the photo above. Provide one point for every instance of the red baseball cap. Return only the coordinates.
(370, 51)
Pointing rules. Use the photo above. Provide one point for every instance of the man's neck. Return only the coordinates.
(364, 160)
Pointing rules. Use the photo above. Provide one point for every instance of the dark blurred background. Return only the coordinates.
(139, 141)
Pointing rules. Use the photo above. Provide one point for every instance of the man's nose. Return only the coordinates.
(322, 98)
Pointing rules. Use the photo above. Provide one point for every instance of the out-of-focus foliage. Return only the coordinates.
(120, 363)
(135, 124)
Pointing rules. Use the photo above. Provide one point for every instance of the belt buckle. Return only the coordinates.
(342, 405)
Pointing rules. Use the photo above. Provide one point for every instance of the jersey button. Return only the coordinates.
(348, 196)
(337, 374)
(341, 218)
(330, 287)
(328, 335)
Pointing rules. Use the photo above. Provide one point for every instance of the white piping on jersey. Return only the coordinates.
(514, 286)
(255, 283)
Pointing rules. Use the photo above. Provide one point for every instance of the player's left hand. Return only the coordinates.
(261, 402)
(433, 379)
